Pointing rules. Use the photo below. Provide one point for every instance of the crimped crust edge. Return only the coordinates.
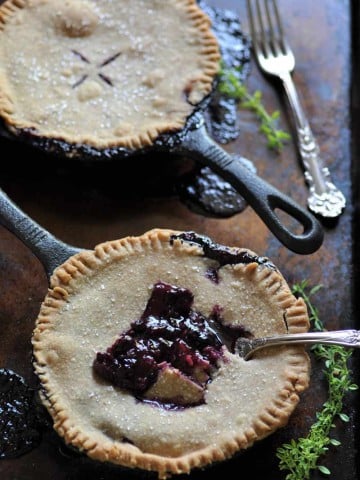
(274, 416)
(210, 67)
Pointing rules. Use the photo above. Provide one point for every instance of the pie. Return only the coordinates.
(103, 73)
(134, 349)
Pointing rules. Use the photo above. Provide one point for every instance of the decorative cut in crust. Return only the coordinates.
(100, 73)
(96, 295)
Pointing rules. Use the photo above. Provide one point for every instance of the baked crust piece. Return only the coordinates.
(101, 73)
(96, 295)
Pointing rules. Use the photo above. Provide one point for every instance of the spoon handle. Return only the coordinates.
(345, 338)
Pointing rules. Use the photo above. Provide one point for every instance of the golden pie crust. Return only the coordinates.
(103, 73)
(95, 295)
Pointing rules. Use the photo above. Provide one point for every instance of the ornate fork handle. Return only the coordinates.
(345, 338)
(325, 198)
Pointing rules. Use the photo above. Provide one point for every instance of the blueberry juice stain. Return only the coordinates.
(235, 56)
(202, 190)
(22, 418)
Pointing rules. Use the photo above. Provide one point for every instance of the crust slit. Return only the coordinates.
(206, 65)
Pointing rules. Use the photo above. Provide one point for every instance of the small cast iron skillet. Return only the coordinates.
(193, 141)
(51, 251)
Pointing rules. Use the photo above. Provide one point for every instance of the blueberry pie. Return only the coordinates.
(103, 73)
(134, 348)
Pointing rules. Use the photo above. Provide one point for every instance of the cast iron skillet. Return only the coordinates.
(193, 141)
(51, 251)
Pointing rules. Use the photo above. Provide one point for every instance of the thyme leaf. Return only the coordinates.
(231, 86)
(300, 457)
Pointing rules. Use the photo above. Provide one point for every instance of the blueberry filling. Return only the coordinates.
(169, 340)
(221, 254)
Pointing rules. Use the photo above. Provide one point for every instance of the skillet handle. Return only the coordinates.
(50, 251)
(261, 196)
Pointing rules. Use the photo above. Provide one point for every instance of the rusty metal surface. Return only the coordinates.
(85, 205)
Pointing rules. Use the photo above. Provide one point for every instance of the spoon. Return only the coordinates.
(346, 338)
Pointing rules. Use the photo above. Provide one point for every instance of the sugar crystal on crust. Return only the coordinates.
(245, 400)
(103, 73)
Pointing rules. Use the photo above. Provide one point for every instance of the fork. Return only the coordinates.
(276, 58)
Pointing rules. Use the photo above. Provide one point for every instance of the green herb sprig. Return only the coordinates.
(230, 85)
(300, 457)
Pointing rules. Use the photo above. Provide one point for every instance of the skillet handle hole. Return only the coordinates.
(289, 222)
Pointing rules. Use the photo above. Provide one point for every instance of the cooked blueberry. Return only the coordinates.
(223, 255)
(168, 333)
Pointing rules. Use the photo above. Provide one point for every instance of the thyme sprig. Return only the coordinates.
(300, 457)
(231, 86)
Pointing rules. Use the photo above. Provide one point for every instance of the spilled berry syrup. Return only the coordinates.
(22, 418)
(200, 189)
(235, 56)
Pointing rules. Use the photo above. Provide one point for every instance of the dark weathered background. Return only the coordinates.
(84, 206)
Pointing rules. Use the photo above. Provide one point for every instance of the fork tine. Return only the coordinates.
(266, 28)
(254, 34)
(273, 36)
(251, 18)
(259, 27)
(281, 38)
(265, 44)
(257, 32)
(278, 19)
